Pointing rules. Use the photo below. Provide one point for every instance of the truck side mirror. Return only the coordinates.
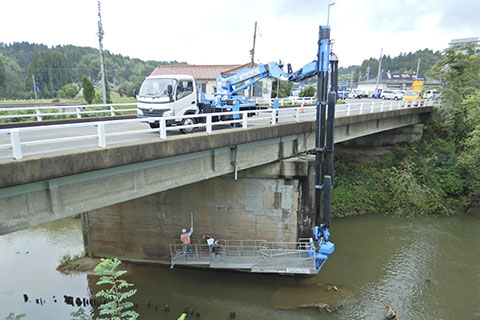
(134, 92)
(170, 92)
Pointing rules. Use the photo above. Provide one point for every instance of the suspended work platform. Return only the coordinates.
(258, 256)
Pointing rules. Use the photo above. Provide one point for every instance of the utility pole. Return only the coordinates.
(368, 72)
(34, 87)
(253, 55)
(328, 14)
(278, 80)
(351, 79)
(379, 70)
(418, 68)
(254, 39)
(102, 67)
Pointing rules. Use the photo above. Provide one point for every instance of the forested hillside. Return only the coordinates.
(55, 67)
(404, 63)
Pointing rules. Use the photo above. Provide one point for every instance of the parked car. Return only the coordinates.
(391, 94)
(356, 94)
(430, 94)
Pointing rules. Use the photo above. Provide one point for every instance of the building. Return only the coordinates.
(465, 41)
(206, 77)
(393, 81)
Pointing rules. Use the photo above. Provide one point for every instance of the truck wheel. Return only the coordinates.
(187, 122)
(154, 125)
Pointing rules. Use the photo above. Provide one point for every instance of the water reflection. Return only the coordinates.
(426, 268)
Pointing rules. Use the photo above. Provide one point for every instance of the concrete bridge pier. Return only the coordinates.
(273, 202)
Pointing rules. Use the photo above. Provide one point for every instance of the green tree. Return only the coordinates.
(2, 74)
(285, 88)
(70, 90)
(51, 71)
(308, 91)
(460, 72)
(116, 305)
(88, 90)
(80, 314)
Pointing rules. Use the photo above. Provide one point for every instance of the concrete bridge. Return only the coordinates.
(135, 198)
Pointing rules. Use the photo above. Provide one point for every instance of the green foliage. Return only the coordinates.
(70, 90)
(469, 159)
(359, 188)
(12, 316)
(116, 305)
(285, 88)
(409, 196)
(308, 91)
(88, 90)
(2, 74)
(70, 263)
(405, 62)
(460, 71)
(80, 314)
(74, 61)
(51, 71)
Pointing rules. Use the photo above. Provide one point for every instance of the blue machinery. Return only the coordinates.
(307, 256)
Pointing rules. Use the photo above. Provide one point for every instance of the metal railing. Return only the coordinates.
(206, 122)
(39, 113)
(241, 253)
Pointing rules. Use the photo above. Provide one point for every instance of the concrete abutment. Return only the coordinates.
(271, 202)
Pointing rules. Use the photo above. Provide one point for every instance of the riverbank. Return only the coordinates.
(421, 178)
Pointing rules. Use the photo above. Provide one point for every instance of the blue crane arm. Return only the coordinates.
(246, 77)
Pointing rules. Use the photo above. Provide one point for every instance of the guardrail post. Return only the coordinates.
(209, 123)
(39, 114)
(372, 107)
(391, 105)
(163, 128)
(297, 113)
(348, 109)
(112, 110)
(244, 120)
(361, 108)
(16, 146)
(273, 121)
(382, 105)
(102, 141)
(77, 110)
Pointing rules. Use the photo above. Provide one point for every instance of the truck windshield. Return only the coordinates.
(155, 87)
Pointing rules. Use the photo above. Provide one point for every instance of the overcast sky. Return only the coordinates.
(221, 31)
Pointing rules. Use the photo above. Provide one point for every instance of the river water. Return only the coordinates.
(425, 268)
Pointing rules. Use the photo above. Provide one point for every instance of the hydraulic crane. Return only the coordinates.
(266, 256)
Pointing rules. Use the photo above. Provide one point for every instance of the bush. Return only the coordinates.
(308, 92)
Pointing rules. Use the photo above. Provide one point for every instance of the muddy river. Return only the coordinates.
(425, 268)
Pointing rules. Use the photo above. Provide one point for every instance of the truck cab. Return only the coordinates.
(167, 96)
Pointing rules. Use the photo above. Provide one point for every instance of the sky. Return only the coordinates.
(221, 31)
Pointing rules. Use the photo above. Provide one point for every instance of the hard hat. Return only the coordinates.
(184, 230)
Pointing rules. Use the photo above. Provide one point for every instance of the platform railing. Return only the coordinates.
(198, 252)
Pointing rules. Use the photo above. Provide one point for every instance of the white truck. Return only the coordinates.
(177, 95)
(167, 96)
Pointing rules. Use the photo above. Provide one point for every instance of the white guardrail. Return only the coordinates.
(38, 113)
(267, 116)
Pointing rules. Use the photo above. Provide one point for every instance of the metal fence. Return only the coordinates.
(256, 255)
(65, 133)
(40, 113)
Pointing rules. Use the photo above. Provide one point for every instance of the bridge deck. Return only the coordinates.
(256, 256)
